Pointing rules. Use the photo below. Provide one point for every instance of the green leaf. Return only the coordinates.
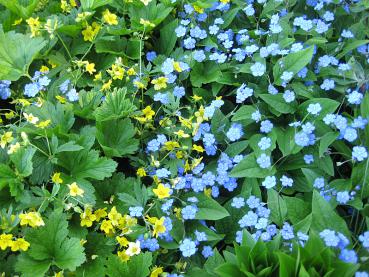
(22, 160)
(328, 106)
(278, 103)
(325, 141)
(167, 40)
(6, 175)
(137, 266)
(351, 46)
(119, 142)
(293, 62)
(209, 209)
(17, 51)
(115, 106)
(324, 216)
(51, 245)
(243, 113)
(204, 73)
(30, 267)
(248, 167)
(286, 264)
(236, 148)
(286, 140)
(277, 206)
(93, 4)
(87, 164)
(19, 9)
(297, 209)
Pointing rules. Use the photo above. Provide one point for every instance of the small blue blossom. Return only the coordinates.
(189, 212)
(188, 248)
(235, 132)
(238, 202)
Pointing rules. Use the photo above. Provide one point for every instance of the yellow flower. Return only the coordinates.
(123, 255)
(5, 241)
(134, 248)
(131, 71)
(225, 1)
(91, 31)
(34, 25)
(9, 115)
(114, 216)
(141, 172)
(198, 148)
(61, 99)
(159, 227)
(161, 191)
(196, 97)
(171, 145)
(75, 190)
(207, 192)
(182, 134)
(44, 69)
(90, 67)
(32, 219)
(59, 274)
(106, 86)
(159, 83)
(43, 124)
(87, 217)
(82, 16)
(100, 213)
(139, 84)
(156, 271)
(198, 9)
(31, 118)
(56, 178)
(107, 227)
(122, 241)
(179, 155)
(13, 148)
(110, 18)
(98, 76)
(116, 72)
(20, 244)
(17, 22)
(146, 23)
(177, 66)
(148, 112)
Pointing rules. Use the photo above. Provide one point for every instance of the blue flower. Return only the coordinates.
(72, 95)
(330, 238)
(167, 66)
(258, 69)
(269, 182)
(264, 161)
(179, 92)
(287, 231)
(289, 96)
(266, 126)
(135, 211)
(350, 134)
(286, 181)
(264, 143)
(162, 173)
(318, 183)
(314, 109)
(162, 98)
(4, 89)
(238, 202)
(364, 239)
(188, 248)
(253, 202)
(248, 220)
(359, 153)
(327, 84)
(302, 139)
(200, 236)
(308, 159)
(207, 251)
(235, 132)
(243, 92)
(180, 31)
(199, 55)
(348, 256)
(31, 89)
(189, 212)
(343, 197)
(150, 56)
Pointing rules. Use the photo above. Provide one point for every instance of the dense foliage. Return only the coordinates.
(184, 138)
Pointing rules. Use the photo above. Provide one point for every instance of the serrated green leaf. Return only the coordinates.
(115, 106)
(120, 142)
(17, 51)
(22, 159)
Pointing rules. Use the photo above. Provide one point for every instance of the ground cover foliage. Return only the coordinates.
(184, 138)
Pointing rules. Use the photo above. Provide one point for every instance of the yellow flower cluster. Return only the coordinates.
(147, 115)
(91, 31)
(15, 244)
(32, 219)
